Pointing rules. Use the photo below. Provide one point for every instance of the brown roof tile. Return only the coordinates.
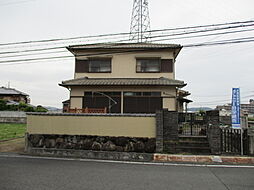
(124, 46)
(123, 82)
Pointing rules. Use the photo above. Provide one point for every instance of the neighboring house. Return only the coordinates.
(13, 96)
(66, 105)
(182, 100)
(245, 108)
(125, 78)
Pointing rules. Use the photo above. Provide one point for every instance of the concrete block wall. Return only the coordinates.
(12, 117)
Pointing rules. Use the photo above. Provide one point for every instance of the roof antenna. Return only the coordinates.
(140, 22)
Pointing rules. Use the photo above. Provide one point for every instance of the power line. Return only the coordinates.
(33, 50)
(206, 35)
(223, 42)
(14, 3)
(182, 33)
(124, 33)
(30, 54)
(226, 100)
(80, 55)
(204, 30)
(218, 43)
(213, 96)
(164, 39)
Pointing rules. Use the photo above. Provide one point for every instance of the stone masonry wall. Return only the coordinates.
(251, 140)
(214, 139)
(166, 131)
(159, 131)
(97, 143)
(214, 131)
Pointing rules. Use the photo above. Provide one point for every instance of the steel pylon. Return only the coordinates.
(140, 22)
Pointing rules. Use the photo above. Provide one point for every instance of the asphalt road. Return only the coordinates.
(38, 173)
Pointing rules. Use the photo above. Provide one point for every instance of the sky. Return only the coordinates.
(210, 72)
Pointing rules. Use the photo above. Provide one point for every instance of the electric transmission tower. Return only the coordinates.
(140, 21)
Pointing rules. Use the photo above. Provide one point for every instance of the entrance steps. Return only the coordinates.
(193, 145)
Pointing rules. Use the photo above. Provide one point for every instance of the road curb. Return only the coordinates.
(203, 159)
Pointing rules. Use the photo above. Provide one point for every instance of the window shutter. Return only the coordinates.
(167, 65)
(81, 66)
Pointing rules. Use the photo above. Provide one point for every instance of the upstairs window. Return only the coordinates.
(94, 65)
(102, 65)
(154, 65)
(148, 65)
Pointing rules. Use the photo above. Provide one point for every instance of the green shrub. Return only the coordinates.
(12, 108)
(21, 107)
(39, 108)
(3, 105)
(29, 109)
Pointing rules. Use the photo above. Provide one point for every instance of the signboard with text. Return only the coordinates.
(235, 107)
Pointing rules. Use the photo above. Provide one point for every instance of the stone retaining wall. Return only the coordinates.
(89, 154)
(96, 143)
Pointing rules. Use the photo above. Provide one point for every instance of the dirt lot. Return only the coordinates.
(15, 145)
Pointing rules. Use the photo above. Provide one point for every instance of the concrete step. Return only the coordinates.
(193, 138)
(192, 144)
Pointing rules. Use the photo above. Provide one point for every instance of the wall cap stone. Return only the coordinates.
(91, 114)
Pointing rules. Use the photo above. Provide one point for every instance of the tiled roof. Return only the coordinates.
(183, 93)
(66, 101)
(11, 91)
(124, 46)
(185, 100)
(123, 82)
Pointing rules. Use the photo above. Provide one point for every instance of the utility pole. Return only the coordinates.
(140, 22)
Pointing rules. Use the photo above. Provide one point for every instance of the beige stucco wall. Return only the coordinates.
(76, 102)
(169, 93)
(124, 66)
(169, 103)
(127, 126)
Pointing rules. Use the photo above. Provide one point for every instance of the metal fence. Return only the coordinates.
(191, 124)
(231, 141)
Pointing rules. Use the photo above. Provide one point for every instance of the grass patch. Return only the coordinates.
(9, 131)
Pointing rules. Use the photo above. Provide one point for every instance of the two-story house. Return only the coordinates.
(124, 78)
(13, 96)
